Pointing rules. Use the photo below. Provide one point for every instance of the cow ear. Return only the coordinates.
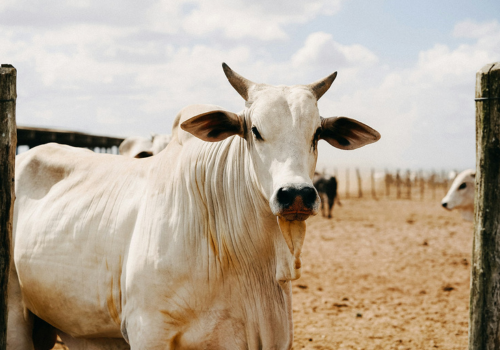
(211, 123)
(346, 133)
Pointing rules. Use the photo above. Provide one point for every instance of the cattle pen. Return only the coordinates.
(367, 243)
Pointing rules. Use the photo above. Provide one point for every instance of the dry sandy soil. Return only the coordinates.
(387, 274)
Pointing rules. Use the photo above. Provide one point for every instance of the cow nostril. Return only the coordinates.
(444, 205)
(308, 196)
(285, 196)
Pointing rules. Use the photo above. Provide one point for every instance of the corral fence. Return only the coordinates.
(29, 137)
(372, 183)
(484, 325)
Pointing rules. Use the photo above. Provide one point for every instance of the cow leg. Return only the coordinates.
(93, 344)
(20, 320)
(323, 207)
(143, 333)
(330, 206)
(44, 335)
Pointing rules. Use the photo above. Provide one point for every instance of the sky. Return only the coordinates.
(123, 68)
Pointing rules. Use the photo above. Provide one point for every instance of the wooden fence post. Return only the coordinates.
(360, 186)
(373, 185)
(388, 182)
(484, 324)
(8, 142)
(408, 184)
(422, 184)
(398, 185)
(347, 190)
(432, 184)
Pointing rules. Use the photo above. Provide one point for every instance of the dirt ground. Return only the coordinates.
(386, 274)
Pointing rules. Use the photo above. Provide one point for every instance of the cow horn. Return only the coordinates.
(321, 86)
(240, 84)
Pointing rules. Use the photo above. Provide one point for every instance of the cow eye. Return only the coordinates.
(256, 134)
(462, 186)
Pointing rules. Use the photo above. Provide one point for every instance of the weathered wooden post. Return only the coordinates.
(432, 184)
(388, 183)
(347, 176)
(8, 142)
(408, 184)
(398, 184)
(484, 325)
(422, 184)
(360, 185)
(372, 179)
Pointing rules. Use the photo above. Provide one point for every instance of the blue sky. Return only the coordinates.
(406, 68)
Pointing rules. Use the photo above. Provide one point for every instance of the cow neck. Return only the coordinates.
(215, 188)
(241, 231)
(236, 211)
(217, 210)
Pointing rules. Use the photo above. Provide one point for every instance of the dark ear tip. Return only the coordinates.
(225, 67)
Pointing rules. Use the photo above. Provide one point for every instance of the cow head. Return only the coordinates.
(282, 127)
(461, 194)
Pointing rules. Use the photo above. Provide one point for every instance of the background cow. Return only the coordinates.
(142, 147)
(460, 196)
(193, 248)
(327, 190)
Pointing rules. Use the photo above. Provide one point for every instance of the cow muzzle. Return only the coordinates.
(295, 202)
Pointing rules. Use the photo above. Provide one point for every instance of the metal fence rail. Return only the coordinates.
(31, 137)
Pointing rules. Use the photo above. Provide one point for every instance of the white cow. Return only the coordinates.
(142, 147)
(194, 248)
(461, 194)
(160, 142)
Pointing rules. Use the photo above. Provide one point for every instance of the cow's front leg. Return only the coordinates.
(150, 331)
(204, 331)
(331, 202)
(323, 206)
(20, 322)
(93, 344)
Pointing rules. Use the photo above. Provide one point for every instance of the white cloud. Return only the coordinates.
(471, 29)
(320, 50)
(261, 19)
(131, 75)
